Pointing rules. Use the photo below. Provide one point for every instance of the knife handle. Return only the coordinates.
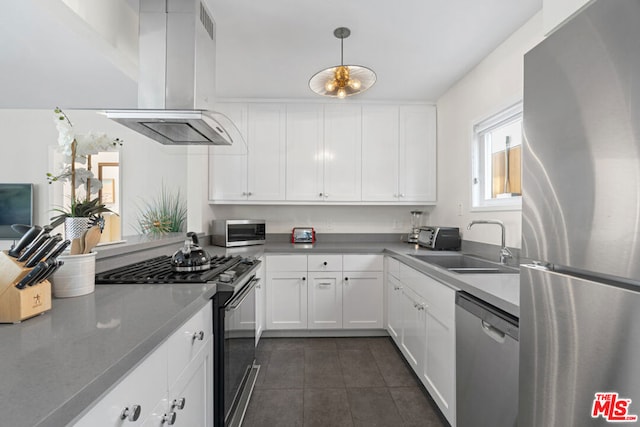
(52, 269)
(31, 276)
(58, 249)
(44, 250)
(33, 247)
(27, 238)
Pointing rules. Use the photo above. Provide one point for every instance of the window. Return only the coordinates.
(497, 161)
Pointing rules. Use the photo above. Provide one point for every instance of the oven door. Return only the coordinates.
(240, 371)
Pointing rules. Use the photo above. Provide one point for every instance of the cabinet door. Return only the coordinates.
(380, 153)
(266, 164)
(342, 153)
(286, 300)
(362, 300)
(394, 309)
(417, 181)
(188, 341)
(325, 300)
(195, 389)
(228, 177)
(305, 154)
(413, 329)
(438, 373)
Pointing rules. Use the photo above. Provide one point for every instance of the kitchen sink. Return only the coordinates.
(465, 264)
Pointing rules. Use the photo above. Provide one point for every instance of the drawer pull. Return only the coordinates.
(131, 414)
(198, 336)
(169, 418)
(178, 403)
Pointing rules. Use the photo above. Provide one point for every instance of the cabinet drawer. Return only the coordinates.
(368, 262)
(286, 263)
(325, 262)
(145, 386)
(392, 266)
(188, 340)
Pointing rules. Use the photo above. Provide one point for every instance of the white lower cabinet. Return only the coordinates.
(421, 320)
(173, 383)
(325, 291)
(324, 301)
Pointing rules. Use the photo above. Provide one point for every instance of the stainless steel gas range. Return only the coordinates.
(235, 278)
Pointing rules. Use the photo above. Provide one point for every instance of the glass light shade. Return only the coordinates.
(327, 82)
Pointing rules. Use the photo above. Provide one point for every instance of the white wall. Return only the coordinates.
(494, 84)
(29, 138)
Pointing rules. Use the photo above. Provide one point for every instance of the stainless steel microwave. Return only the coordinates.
(238, 232)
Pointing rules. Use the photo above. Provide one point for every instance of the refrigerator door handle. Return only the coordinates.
(493, 332)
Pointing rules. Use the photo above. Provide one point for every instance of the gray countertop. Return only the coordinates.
(56, 365)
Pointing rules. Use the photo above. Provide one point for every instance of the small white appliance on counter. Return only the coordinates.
(238, 232)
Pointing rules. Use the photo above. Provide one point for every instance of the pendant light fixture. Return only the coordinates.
(342, 80)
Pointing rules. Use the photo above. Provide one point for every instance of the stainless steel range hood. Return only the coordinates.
(176, 79)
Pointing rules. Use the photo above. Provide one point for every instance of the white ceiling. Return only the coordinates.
(269, 49)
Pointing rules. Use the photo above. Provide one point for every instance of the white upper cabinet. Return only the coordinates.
(380, 150)
(417, 155)
(255, 171)
(327, 153)
(305, 160)
(556, 12)
(266, 160)
(342, 153)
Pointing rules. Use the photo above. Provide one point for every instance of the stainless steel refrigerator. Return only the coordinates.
(580, 293)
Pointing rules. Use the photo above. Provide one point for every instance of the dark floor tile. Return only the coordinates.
(270, 344)
(394, 370)
(282, 408)
(359, 369)
(320, 344)
(414, 407)
(352, 343)
(326, 408)
(285, 370)
(373, 407)
(322, 369)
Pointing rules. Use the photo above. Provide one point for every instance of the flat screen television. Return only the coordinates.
(16, 207)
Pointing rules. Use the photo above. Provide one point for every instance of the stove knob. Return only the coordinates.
(169, 418)
(197, 336)
(131, 414)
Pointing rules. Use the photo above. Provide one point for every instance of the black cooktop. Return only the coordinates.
(160, 270)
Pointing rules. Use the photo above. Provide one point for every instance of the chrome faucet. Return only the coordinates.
(505, 253)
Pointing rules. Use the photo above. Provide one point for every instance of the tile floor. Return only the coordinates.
(337, 382)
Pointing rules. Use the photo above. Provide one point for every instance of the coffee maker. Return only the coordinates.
(415, 227)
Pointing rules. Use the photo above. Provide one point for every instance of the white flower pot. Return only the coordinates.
(77, 276)
(74, 227)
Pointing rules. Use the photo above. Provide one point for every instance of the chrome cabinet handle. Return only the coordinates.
(178, 403)
(324, 284)
(249, 193)
(199, 335)
(401, 194)
(169, 418)
(131, 414)
(320, 194)
(397, 288)
(304, 278)
(346, 279)
(244, 193)
(324, 263)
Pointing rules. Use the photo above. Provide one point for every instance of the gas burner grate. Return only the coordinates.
(160, 270)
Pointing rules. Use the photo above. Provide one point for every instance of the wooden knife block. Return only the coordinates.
(16, 304)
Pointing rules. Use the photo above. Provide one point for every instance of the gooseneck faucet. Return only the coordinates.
(505, 253)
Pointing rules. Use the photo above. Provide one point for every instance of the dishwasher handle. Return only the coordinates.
(493, 332)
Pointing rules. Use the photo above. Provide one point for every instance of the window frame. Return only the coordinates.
(479, 157)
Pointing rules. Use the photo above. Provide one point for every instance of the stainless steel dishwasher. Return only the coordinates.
(486, 364)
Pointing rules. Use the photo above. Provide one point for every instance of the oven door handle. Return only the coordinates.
(237, 301)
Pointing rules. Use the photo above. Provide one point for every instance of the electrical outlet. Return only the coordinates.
(460, 209)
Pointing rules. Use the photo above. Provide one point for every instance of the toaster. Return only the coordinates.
(440, 238)
(303, 235)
